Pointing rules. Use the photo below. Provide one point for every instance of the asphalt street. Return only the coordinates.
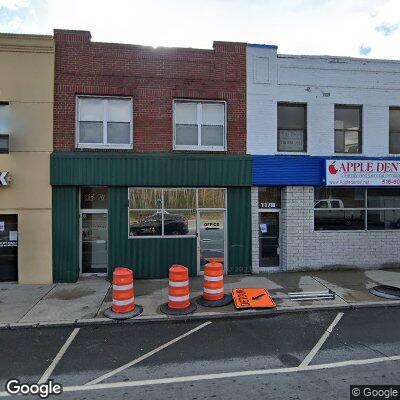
(310, 355)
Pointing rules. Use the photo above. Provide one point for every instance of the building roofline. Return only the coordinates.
(338, 59)
(262, 46)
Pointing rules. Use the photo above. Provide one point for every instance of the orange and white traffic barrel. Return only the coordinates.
(178, 292)
(213, 290)
(123, 296)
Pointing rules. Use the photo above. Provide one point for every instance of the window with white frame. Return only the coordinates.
(160, 212)
(104, 122)
(199, 125)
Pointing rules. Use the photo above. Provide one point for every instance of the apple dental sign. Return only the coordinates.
(362, 173)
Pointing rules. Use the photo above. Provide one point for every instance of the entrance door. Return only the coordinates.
(8, 247)
(94, 242)
(211, 238)
(269, 239)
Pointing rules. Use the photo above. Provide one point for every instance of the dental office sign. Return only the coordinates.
(362, 173)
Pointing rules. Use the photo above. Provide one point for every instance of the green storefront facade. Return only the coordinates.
(120, 174)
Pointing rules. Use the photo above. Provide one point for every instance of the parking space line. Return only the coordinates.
(147, 355)
(321, 341)
(224, 375)
(58, 357)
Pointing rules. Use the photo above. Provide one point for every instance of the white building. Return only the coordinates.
(325, 135)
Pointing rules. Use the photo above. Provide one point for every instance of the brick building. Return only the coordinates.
(149, 165)
(324, 133)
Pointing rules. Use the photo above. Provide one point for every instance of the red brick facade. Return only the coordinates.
(153, 78)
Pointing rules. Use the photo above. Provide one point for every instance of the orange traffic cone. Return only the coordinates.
(213, 292)
(123, 302)
(178, 292)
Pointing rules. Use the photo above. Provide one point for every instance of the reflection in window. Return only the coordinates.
(170, 211)
(211, 198)
(346, 209)
(145, 223)
(383, 219)
(333, 220)
(326, 197)
(347, 129)
(384, 198)
(145, 198)
(180, 198)
(179, 222)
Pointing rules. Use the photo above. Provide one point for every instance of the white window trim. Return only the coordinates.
(199, 147)
(197, 210)
(103, 145)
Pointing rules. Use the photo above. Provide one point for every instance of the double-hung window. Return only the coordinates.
(292, 127)
(104, 122)
(394, 130)
(348, 132)
(199, 125)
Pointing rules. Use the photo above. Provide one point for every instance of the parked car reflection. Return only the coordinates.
(174, 224)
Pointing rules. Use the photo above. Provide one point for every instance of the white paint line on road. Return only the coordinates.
(224, 375)
(193, 378)
(147, 355)
(58, 357)
(321, 341)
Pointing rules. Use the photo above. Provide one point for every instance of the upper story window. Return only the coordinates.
(348, 129)
(394, 130)
(199, 125)
(104, 122)
(4, 127)
(292, 127)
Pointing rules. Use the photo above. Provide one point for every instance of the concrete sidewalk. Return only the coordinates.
(84, 301)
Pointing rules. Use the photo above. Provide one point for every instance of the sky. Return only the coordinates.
(356, 28)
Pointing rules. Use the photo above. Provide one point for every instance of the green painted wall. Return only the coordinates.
(65, 234)
(239, 230)
(149, 258)
(133, 169)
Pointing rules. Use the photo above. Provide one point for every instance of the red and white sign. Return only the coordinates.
(362, 173)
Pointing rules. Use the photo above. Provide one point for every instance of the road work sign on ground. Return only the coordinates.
(252, 298)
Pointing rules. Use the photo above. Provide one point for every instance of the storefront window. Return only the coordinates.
(269, 197)
(180, 198)
(145, 199)
(356, 208)
(211, 198)
(170, 211)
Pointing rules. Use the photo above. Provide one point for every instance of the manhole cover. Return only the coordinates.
(387, 292)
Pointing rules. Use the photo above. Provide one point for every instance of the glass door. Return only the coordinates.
(269, 239)
(94, 242)
(8, 247)
(211, 238)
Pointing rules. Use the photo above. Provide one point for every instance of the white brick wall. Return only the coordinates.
(374, 84)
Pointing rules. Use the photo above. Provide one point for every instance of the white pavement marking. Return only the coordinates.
(224, 375)
(321, 341)
(147, 355)
(58, 357)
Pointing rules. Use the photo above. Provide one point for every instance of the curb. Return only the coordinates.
(199, 316)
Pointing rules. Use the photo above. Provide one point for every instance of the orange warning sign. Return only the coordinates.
(252, 298)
